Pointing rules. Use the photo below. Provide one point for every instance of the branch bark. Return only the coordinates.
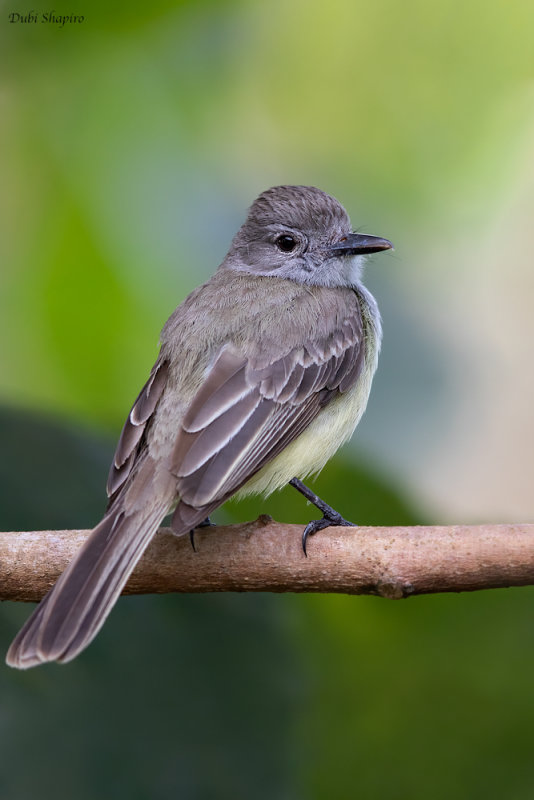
(266, 556)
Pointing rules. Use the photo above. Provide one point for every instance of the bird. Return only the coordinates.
(263, 372)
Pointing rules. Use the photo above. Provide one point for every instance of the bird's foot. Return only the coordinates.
(205, 524)
(327, 520)
(330, 517)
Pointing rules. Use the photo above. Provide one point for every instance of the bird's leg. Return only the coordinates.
(205, 524)
(330, 516)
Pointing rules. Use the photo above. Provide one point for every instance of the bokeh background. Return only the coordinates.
(131, 146)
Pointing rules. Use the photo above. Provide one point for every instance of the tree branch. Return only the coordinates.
(266, 556)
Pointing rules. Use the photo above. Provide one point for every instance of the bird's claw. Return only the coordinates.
(204, 524)
(328, 520)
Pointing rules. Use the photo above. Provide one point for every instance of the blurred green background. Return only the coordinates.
(131, 146)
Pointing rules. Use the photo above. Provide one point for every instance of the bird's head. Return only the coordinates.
(303, 234)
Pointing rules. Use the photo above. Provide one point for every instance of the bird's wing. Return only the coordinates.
(246, 412)
(132, 435)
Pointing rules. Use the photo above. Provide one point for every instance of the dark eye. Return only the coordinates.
(286, 243)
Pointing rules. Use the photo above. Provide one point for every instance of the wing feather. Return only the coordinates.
(134, 428)
(246, 412)
(288, 392)
(223, 387)
(200, 488)
(219, 434)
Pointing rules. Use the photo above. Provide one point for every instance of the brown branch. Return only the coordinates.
(266, 556)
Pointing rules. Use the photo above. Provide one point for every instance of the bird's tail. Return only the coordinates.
(75, 609)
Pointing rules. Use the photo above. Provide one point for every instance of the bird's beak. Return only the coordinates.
(354, 244)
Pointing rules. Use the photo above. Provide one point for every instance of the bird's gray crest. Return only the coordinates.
(304, 208)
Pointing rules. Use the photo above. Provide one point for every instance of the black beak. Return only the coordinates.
(354, 244)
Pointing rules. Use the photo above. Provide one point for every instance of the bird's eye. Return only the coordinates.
(286, 243)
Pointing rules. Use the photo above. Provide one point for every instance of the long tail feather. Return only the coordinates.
(75, 609)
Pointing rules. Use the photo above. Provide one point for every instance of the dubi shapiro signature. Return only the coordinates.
(47, 17)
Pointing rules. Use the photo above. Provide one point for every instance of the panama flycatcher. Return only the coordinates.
(264, 371)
